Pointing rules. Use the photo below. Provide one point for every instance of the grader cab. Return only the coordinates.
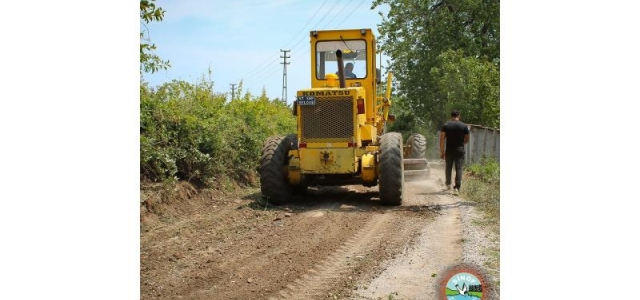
(341, 134)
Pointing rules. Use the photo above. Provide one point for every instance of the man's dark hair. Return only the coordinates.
(455, 113)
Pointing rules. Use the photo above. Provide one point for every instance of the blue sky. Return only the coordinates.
(241, 40)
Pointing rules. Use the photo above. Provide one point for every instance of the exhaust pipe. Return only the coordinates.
(343, 82)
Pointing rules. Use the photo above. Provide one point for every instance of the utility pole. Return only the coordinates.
(233, 90)
(284, 74)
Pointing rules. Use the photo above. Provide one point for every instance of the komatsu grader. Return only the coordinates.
(341, 127)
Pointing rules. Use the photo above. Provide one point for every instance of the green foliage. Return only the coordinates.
(419, 35)
(470, 85)
(189, 132)
(487, 170)
(149, 12)
(150, 62)
(482, 185)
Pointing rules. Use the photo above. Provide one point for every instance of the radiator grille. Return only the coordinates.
(330, 119)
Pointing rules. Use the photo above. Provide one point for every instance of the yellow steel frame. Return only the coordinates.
(326, 156)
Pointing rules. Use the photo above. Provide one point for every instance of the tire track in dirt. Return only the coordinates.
(387, 230)
(414, 273)
(409, 275)
(334, 241)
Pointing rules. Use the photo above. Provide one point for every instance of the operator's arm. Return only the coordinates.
(443, 135)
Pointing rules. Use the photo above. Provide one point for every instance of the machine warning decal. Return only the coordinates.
(306, 100)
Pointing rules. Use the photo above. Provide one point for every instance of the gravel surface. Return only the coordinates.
(478, 243)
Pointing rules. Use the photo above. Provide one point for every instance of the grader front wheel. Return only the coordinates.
(418, 146)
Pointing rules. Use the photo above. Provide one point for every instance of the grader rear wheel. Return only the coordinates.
(391, 175)
(273, 177)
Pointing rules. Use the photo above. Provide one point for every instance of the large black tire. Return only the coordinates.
(274, 184)
(418, 146)
(391, 177)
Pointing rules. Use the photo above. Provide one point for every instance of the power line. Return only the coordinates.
(260, 69)
(306, 37)
(351, 13)
(338, 2)
(340, 12)
(261, 75)
(269, 68)
(309, 21)
(265, 76)
(315, 26)
(271, 65)
(301, 56)
(329, 22)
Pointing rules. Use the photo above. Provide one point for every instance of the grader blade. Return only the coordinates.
(416, 169)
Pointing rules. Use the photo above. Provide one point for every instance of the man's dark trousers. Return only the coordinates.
(452, 157)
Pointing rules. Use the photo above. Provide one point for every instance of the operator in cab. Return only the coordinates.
(348, 71)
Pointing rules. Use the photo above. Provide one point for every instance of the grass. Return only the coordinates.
(482, 185)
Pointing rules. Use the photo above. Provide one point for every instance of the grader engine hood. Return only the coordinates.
(328, 122)
(326, 115)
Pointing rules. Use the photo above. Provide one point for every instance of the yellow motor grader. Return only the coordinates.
(341, 134)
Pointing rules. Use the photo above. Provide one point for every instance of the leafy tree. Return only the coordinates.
(149, 61)
(468, 84)
(417, 35)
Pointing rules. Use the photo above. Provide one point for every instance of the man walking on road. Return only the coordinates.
(456, 135)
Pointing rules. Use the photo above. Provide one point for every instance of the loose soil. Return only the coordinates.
(333, 243)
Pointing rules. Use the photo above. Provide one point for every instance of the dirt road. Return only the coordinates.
(334, 243)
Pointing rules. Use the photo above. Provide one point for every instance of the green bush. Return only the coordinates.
(156, 162)
(482, 185)
(487, 170)
(188, 132)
